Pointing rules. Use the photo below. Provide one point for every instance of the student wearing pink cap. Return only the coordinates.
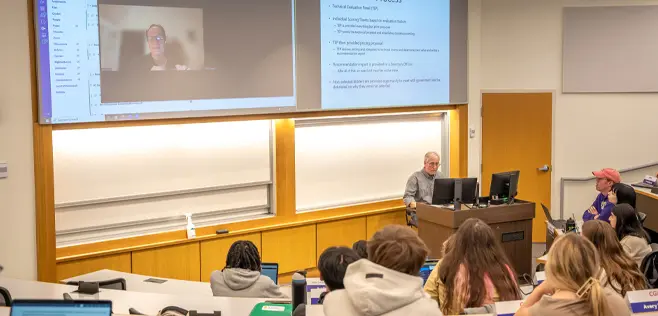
(602, 208)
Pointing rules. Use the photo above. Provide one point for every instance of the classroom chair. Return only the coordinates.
(5, 297)
(113, 284)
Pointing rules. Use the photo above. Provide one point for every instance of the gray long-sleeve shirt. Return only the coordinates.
(420, 187)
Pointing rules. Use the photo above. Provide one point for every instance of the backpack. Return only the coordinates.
(649, 268)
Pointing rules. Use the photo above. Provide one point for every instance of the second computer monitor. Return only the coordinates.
(445, 188)
(504, 184)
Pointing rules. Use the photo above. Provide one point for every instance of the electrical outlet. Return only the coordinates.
(471, 132)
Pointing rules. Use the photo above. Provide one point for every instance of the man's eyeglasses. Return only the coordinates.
(158, 38)
(434, 164)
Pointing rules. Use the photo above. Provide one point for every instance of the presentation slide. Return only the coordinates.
(138, 59)
(109, 60)
(385, 53)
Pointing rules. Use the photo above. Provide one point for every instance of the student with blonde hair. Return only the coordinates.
(572, 287)
(620, 273)
(432, 284)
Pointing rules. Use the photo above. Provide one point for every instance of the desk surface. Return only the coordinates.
(135, 283)
(646, 192)
(122, 301)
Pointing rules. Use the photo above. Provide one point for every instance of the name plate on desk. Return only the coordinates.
(643, 301)
(540, 277)
(651, 180)
(508, 308)
(314, 288)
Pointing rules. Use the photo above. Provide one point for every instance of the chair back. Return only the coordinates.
(5, 297)
(649, 268)
(113, 284)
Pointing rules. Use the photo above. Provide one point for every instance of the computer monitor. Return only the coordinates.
(504, 185)
(447, 189)
(61, 308)
(270, 270)
(427, 269)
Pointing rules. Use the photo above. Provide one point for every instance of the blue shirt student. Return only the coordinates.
(602, 206)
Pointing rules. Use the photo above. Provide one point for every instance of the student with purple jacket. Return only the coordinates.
(602, 207)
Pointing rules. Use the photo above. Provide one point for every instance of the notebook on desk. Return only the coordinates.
(61, 308)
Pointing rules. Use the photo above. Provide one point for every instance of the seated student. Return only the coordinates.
(387, 284)
(332, 264)
(361, 248)
(476, 272)
(432, 284)
(622, 193)
(619, 272)
(571, 287)
(601, 207)
(242, 275)
(630, 232)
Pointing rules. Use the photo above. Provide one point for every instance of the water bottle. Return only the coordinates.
(298, 289)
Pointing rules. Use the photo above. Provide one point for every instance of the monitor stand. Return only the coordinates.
(458, 195)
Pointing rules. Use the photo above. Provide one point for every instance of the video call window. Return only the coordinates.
(195, 50)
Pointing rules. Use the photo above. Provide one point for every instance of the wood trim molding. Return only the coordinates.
(44, 184)
(459, 142)
(284, 167)
(253, 117)
(647, 194)
(240, 228)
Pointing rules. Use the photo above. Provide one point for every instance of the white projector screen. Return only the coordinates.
(610, 49)
(109, 60)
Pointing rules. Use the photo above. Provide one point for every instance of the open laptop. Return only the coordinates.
(427, 268)
(61, 308)
(560, 223)
(270, 270)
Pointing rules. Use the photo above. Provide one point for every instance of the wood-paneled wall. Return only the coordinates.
(294, 248)
(293, 240)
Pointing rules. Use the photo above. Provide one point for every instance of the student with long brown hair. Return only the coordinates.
(620, 273)
(572, 287)
(476, 272)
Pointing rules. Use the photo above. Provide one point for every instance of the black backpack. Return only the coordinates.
(649, 267)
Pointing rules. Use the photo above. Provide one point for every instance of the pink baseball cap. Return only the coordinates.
(608, 173)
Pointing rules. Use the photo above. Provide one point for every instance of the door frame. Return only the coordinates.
(553, 93)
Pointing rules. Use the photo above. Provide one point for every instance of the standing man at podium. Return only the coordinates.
(420, 185)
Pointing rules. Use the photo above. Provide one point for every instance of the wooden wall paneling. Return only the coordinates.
(44, 193)
(292, 248)
(213, 252)
(459, 141)
(284, 167)
(175, 262)
(376, 222)
(286, 278)
(340, 233)
(120, 262)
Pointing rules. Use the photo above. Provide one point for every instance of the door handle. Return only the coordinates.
(544, 168)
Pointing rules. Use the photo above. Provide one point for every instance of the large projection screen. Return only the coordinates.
(116, 60)
(610, 49)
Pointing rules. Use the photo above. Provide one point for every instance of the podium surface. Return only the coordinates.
(511, 223)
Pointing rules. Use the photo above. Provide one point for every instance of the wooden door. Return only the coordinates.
(517, 135)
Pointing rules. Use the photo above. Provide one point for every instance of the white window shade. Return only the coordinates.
(121, 182)
(357, 160)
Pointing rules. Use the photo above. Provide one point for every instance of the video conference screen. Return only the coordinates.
(113, 60)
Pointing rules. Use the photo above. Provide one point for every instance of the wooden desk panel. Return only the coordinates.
(180, 262)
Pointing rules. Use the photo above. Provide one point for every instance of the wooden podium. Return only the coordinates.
(511, 223)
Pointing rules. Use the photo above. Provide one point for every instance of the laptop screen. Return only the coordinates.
(271, 270)
(426, 269)
(61, 308)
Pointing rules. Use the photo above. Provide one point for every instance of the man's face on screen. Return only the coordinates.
(156, 40)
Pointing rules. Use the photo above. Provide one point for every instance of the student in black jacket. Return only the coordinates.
(332, 265)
